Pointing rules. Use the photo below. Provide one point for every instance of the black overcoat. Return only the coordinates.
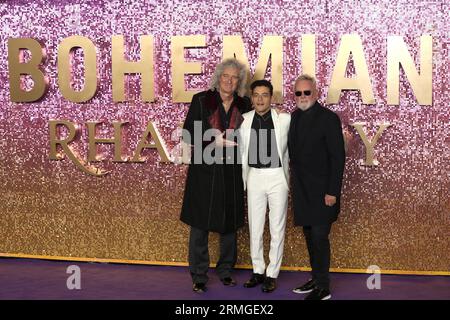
(317, 157)
(214, 193)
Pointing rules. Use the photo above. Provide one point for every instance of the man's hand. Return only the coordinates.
(221, 142)
(330, 200)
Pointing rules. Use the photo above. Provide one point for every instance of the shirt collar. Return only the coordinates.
(265, 116)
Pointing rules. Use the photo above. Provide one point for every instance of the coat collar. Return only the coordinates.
(214, 102)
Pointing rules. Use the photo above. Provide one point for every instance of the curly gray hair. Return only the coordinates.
(233, 63)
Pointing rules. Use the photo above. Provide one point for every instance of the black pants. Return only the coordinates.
(199, 255)
(319, 253)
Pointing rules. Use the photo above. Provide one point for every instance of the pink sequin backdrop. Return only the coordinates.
(395, 215)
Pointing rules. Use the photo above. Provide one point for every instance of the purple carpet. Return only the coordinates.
(32, 279)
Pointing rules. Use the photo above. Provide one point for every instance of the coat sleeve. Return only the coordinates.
(336, 154)
(193, 115)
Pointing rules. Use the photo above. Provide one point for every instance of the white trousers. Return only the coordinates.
(267, 186)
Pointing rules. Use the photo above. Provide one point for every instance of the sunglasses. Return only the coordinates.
(306, 93)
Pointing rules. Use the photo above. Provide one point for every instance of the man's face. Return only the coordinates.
(229, 80)
(305, 101)
(261, 99)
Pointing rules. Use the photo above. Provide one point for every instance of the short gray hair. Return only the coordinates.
(306, 77)
(230, 62)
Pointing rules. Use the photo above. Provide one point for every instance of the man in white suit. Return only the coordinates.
(265, 172)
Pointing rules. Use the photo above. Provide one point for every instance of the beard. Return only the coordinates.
(305, 106)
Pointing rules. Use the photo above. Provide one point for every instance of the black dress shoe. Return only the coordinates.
(306, 288)
(199, 287)
(228, 281)
(319, 294)
(269, 284)
(254, 280)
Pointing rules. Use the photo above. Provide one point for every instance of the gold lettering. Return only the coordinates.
(158, 144)
(64, 143)
(116, 141)
(120, 67)
(180, 67)
(17, 67)
(369, 161)
(421, 84)
(271, 48)
(350, 45)
(65, 52)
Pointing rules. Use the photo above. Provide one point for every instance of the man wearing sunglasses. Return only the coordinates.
(316, 150)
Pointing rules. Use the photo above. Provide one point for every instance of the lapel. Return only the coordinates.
(276, 127)
(213, 104)
(294, 141)
(309, 125)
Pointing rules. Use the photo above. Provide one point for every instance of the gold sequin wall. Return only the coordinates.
(395, 215)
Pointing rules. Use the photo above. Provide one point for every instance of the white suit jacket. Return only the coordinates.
(281, 126)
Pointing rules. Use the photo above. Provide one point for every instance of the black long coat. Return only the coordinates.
(214, 193)
(317, 159)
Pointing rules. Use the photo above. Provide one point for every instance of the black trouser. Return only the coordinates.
(319, 253)
(199, 256)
